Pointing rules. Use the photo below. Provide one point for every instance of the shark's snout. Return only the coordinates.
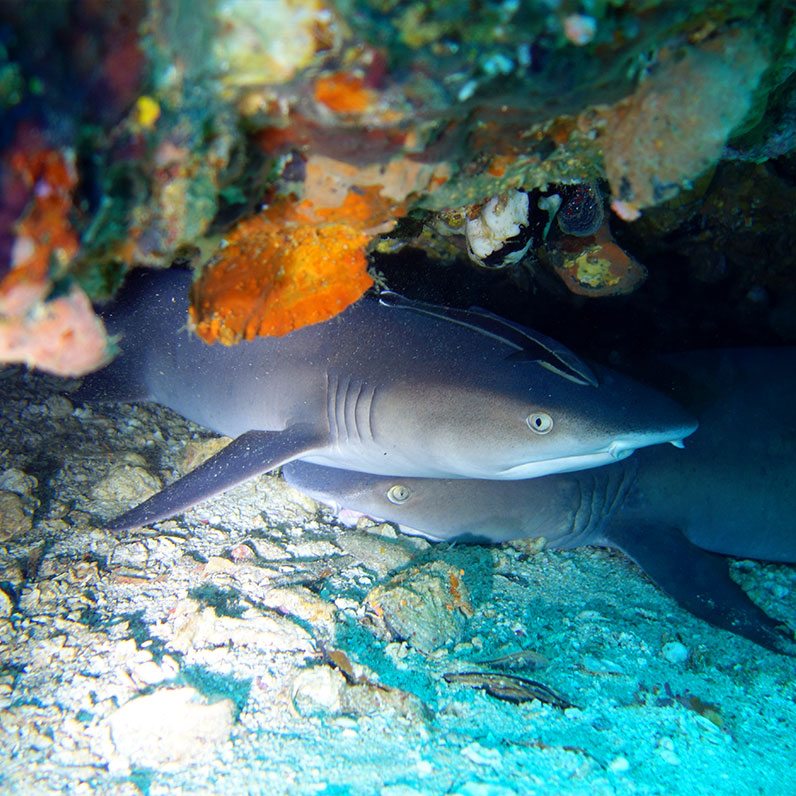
(638, 416)
(623, 446)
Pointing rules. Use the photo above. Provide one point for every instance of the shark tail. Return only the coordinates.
(700, 582)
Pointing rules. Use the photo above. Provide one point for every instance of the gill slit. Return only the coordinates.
(363, 408)
(352, 396)
(349, 406)
(331, 406)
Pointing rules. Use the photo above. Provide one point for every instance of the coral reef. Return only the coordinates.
(499, 235)
(595, 265)
(699, 95)
(60, 334)
(45, 237)
(314, 126)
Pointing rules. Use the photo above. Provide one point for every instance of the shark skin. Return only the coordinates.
(732, 491)
(389, 386)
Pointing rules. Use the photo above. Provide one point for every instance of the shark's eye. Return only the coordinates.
(539, 422)
(398, 493)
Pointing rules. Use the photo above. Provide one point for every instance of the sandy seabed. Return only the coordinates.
(256, 645)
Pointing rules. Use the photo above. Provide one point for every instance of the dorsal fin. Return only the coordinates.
(527, 344)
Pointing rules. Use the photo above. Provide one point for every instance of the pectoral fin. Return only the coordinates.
(700, 582)
(249, 455)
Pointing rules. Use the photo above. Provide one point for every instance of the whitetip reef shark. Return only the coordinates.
(389, 386)
(731, 491)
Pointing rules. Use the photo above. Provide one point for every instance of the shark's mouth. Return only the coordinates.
(566, 464)
(622, 448)
(615, 452)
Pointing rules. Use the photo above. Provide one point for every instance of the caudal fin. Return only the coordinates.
(700, 582)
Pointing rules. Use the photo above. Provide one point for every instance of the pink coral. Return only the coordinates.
(62, 336)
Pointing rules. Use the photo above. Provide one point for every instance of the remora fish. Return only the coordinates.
(389, 386)
(731, 491)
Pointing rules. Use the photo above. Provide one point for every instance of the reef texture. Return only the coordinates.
(276, 145)
(699, 96)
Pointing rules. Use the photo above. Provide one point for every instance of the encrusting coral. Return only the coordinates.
(340, 118)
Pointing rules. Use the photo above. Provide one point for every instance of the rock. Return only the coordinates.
(665, 749)
(59, 407)
(217, 564)
(318, 688)
(371, 699)
(376, 552)
(317, 548)
(124, 486)
(17, 503)
(150, 672)
(675, 125)
(14, 480)
(484, 789)
(675, 652)
(268, 550)
(198, 451)
(305, 605)
(483, 755)
(12, 574)
(619, 764)
(530, 547)
(278, 493)
(133, 554)
(16, 518)
(401, 790)
(426, 606)
(195, 627)
(6, 692)
(595, 665)
(242, 552)
(323, 689)
(170, 728)
(6, 604)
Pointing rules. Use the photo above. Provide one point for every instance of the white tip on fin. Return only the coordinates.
(678, 443)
